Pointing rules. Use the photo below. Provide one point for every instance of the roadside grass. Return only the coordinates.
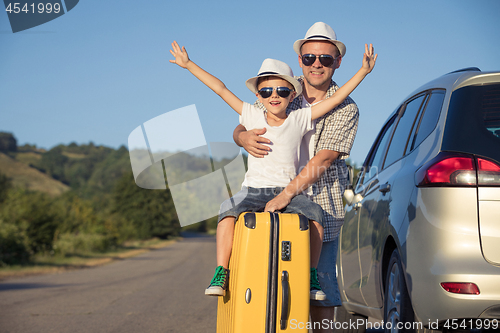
(42, 264)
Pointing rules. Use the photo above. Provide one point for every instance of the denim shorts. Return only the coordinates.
(327, 274)
(251, 199)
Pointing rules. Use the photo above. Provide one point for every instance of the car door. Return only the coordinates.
(383, 205)
(349, 237)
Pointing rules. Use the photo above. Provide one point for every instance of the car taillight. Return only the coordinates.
(448, 170)
(488, 172)
(461, 288)
(455, 169)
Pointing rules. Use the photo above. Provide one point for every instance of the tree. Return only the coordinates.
(32, 214)
(152, 212)
(7, 142)
(5, 185)
(53, 162)
(12, 248)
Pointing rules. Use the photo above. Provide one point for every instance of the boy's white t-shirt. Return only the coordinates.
(280, 166)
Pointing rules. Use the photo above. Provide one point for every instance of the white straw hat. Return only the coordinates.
(272, 67)
(320, 31)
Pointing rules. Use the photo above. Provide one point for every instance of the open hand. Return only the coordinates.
(181, 56)
(252, 141)
(369, 58)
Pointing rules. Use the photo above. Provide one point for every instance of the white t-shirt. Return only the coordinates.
(281, 164)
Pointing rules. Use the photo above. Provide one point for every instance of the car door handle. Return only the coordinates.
(384, 188)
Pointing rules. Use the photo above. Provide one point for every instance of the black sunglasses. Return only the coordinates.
(325, 59)
(281, 91)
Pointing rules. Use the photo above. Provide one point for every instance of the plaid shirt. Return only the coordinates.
(335, 131)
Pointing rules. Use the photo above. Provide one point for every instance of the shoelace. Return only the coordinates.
(220, 277)
(314, 279)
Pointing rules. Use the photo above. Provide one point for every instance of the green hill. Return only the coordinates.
(24, 176)
(74, 200)
(78, 199)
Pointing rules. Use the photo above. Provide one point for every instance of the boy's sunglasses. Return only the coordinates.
(281, 91)
(325, 59)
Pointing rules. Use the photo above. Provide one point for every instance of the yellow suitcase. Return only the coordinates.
(269, 275)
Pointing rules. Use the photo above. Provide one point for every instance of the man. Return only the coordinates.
(326, 148)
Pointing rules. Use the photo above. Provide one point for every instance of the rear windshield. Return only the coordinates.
(473, 121)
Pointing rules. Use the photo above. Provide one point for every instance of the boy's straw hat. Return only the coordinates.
(320, 31)
(272, 67)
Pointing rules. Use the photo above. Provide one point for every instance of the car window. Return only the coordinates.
(372, 166)
(473, 121)
(415, 125)
(491, 109)
(403, 130)
(429, 119)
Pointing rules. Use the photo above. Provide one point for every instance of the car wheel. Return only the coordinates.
(398, 312)
(342, 316)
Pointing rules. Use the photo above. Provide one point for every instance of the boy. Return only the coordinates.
(275, 87)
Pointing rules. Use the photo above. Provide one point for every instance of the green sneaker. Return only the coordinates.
(316, 292)
(218, 285)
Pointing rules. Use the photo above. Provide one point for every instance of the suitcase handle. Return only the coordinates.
(285, 289)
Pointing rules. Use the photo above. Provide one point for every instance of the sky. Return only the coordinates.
(101, 70)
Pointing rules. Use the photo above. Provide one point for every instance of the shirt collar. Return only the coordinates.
(331, 89)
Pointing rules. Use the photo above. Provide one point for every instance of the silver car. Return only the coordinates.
(420, 246)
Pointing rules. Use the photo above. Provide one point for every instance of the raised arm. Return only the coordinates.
(340, 95)
(182, 59)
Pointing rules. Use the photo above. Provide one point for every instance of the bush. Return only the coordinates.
(119, 229)
(12, 248)
(31, 213)
(81, 243)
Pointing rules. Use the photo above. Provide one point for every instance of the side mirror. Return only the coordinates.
(350, 197)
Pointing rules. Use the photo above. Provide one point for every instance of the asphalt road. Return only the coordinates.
(159, 291)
